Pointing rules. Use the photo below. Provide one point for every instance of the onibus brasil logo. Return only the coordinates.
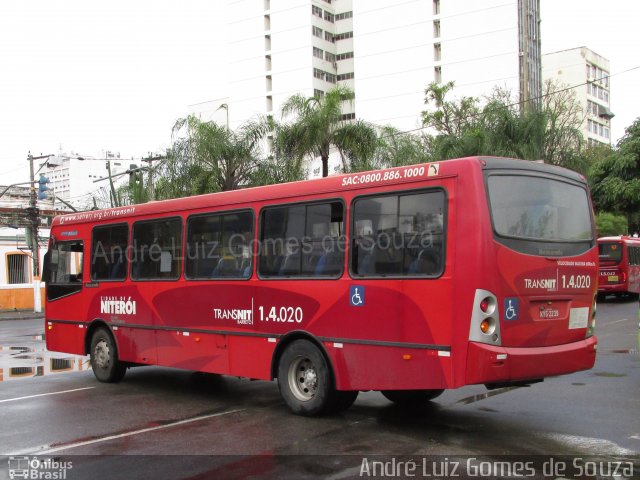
(38, 468)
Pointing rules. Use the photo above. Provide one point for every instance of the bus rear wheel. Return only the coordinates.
(411, 397)
(104, 357)
(304, 379)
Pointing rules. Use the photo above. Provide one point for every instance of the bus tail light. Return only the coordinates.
(485, 327)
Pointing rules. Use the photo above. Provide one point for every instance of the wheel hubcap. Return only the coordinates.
(101, 354)
(303, 379)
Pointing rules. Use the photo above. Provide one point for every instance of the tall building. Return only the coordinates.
(387, 52)
(72, 177)
(583, 67)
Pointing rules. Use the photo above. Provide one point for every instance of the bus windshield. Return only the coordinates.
(540, 209)
(610, 253)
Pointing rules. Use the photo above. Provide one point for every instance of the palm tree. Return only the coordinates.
(210, 157)
(318, 125)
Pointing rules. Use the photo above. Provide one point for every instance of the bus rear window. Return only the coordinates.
(610, 253)
(539, 209)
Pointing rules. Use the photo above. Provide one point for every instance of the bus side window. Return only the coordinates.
(64, 269)
(157, 247)
(108, 252)
(302, 241)
(219, 246)
(399, 235)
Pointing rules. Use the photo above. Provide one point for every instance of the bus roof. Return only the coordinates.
(620, 238)
(337, 183)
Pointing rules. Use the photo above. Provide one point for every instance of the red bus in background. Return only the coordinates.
(409, 281)
(619, 266)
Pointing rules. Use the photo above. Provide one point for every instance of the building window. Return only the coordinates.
(330, 77)
(436, 7)
(317, 11)
(318, 93)
(348, 116)
(437, 74)
(329, 17)
(317, 31)
(436, 28)
(343, 36)
(343, 16)
(329, 57)
(437, 52)
(344, 56)
(329, 37)
(18, 268)
(317, 73)
(345, 76)
(317, 52)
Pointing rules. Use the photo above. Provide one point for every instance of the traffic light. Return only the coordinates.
(135, 175)
(43, 188)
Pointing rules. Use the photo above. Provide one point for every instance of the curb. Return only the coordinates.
(19, 316)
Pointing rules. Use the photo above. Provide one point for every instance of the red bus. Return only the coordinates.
(619, 266)
(408, 280)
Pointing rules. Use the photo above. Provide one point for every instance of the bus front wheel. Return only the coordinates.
(104, 357)
(411, 397)
(304, 379)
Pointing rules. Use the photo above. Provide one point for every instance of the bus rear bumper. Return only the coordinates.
(491, 364)
(617, 288)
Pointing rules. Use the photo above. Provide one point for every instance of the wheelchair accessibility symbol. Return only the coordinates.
(356, 295)
(510, 308)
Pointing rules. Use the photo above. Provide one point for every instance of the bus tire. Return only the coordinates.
(342, 400)
(104, 357)
(411, 397)
(304, 379)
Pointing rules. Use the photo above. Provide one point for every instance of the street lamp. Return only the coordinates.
(226, 107)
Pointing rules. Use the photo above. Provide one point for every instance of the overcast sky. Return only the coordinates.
(89, 76)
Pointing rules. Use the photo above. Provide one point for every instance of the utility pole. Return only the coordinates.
(34, 216)
(114, 197)
(151, 158)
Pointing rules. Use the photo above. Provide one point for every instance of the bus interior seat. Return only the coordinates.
(427, 262)
(290, 265)
(118, 269)
(365, 263)
(226, 267)
(329, 264)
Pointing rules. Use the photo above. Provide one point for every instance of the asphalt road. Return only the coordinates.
(164, 423)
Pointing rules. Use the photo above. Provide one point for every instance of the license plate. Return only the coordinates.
(612, 278)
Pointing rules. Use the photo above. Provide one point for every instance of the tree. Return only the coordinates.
(449, 117)
(207, 157)
(498, 126)
(609, 224)
(615, 180)
(318, 125)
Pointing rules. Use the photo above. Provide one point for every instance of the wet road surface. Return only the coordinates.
(206, 426)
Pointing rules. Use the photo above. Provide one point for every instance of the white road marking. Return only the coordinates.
(44, 394)
(127, 434)
(616, 321)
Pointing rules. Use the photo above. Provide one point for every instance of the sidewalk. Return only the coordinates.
(20, 315)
